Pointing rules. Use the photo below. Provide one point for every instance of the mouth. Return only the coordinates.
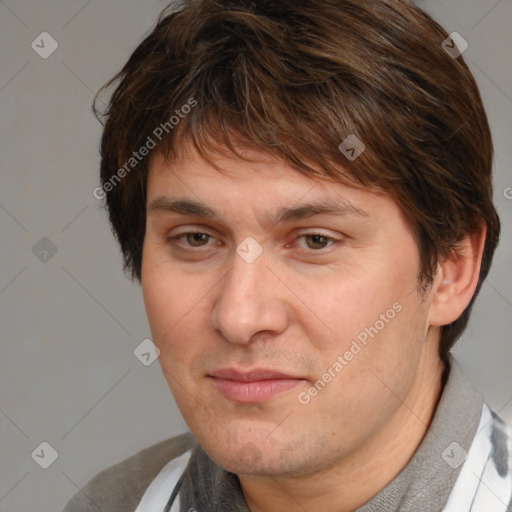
(255, 386)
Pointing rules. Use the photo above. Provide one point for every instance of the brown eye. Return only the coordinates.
(189, 240)
(196, 239)
(315, 241)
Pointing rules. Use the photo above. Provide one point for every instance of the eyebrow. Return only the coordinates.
(184, 206)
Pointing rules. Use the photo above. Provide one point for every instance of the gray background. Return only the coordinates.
(69, 325)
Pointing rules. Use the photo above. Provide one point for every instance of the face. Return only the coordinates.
(285, 309)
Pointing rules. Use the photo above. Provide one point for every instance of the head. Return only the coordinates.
(247, 108)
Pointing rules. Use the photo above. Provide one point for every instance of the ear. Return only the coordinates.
(456, 279)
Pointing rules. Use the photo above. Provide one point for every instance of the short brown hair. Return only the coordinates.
(294, 79)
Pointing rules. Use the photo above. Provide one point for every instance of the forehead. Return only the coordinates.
(189, 184)
(221, 165)
(189, 161)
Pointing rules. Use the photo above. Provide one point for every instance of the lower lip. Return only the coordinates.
(255, 391)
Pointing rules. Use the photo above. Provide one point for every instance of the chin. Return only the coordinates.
(252, 467)
(258, 458)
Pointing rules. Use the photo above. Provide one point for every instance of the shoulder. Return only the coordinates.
(120, 487)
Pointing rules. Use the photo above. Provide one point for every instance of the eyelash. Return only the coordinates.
(191, 247)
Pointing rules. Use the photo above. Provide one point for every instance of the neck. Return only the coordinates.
(354, 481)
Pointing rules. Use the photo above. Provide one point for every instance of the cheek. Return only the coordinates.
(355, 304)
(159, 302)
(165, 299)
(361, 377)
(176, 306)
(172, 320)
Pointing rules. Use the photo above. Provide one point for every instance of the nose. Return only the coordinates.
(250, 301)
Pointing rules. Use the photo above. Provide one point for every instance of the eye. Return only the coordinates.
(192, 239)
(316, 240)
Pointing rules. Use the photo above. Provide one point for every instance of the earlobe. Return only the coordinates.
(456, 279)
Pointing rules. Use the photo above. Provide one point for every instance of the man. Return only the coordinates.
(303, 190)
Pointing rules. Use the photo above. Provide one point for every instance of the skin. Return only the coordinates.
(295, 309)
